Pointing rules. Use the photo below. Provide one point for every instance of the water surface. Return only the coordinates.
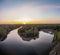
(15, 45)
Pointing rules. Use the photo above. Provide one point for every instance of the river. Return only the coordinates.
(15, 45)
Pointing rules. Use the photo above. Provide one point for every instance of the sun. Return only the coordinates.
(24, 20)
(24, 23)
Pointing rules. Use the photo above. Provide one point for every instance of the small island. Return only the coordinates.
(28, 32)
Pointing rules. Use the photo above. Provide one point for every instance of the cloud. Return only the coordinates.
(26, 11)
(48, 7)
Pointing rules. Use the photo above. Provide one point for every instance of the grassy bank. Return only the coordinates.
(3, 33)
(56, 43)
(5, 29)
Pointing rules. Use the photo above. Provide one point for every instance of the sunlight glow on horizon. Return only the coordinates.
(32, 22)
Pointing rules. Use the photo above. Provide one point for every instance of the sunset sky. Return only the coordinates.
(29, 11)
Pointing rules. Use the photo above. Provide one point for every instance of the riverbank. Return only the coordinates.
(5, 29)
(55, 50)
(56, 44)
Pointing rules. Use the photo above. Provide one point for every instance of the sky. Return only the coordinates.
(30, 11)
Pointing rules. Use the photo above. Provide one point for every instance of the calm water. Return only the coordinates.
(15, 45)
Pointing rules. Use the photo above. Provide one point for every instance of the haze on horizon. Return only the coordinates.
(29, 11)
